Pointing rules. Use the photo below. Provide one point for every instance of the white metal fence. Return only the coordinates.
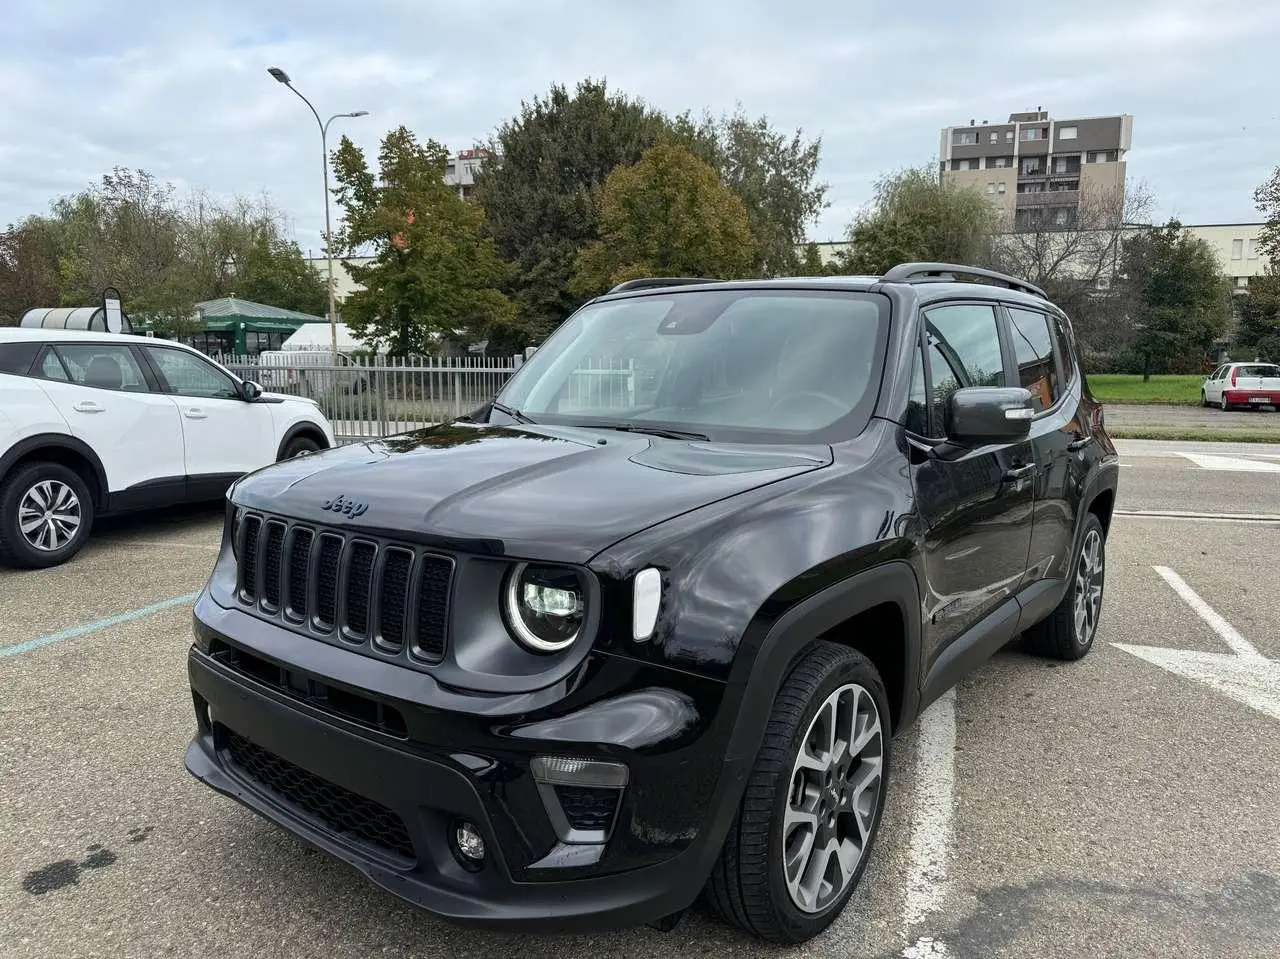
(374, 396)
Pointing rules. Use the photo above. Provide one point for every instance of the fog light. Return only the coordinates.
(470, 842)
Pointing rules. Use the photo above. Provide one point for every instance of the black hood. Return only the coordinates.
(540, 492)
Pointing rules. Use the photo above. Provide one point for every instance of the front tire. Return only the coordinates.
(1204, 398)
(299, 446)
(1068, 632)
(812, 805)
(46, 512)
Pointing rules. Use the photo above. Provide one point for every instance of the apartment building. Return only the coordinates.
(1039, 172)
(460, 171)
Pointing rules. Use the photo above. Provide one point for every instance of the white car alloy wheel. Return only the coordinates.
(833, 797)
(49, 515)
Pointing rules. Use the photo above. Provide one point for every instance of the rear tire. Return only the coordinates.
(812, 805)
(1068, 632)
(1204, 398)
(46, 512)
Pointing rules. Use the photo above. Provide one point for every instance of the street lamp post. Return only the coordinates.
(283, 77)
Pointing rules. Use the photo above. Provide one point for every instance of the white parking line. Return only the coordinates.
(1244, 675)
(931, 827)
(1226, 632)
(1234, 464)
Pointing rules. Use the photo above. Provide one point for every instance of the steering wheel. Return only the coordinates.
(840, 406)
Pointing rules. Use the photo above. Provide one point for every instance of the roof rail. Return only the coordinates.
(649, 282)
(906, 272)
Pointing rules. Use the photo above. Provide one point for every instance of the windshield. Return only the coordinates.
(764, 366)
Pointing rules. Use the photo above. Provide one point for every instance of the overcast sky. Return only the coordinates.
(182, 91)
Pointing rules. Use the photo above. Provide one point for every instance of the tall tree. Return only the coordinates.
(775, 177)
(1182, 302)
(915, 216)
(30, 267)
(1267, 198)
(1259, 311)
(434, 272)
(541, 196)
(1077, 264)
(666, 215)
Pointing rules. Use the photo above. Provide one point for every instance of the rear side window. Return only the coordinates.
(103, 366)
(17, 357)
(1033, 348)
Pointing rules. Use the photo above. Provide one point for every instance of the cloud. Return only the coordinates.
(182, 91)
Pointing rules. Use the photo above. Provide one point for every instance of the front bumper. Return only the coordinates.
(386, 795)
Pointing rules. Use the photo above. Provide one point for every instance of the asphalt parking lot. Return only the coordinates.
(1126, 805)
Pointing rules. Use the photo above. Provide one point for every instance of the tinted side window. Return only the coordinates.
(1062, 343)
(967, 336)
(17, 357)
(925, 409)
(103, 366)
(1033, 347)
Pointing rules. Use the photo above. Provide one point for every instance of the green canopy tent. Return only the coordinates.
(242, 327)
(253, 327)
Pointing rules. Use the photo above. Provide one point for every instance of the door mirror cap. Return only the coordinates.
(251, 390)
(981, 415)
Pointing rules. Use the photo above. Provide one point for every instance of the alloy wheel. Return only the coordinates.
(833, 798)
(49, 515)
(1088, 587)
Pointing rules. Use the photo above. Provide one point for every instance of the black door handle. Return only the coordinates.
(1079, 444)
(1019, 472)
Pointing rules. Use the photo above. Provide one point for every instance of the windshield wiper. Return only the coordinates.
(642, 428)
(514, 414)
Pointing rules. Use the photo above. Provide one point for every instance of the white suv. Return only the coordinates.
(95, 423)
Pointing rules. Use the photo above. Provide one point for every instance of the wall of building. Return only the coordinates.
(1236, 246)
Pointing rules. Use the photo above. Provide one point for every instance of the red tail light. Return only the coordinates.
(1234, 371)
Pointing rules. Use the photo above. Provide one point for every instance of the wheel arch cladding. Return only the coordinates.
(308, 430)
(1101, 506)
(875, 612)
(64, 450)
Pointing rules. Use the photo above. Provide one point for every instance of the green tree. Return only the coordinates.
(1267, 198)
(29, 268)
(434, 271)
(812, 264)
(541, 197)
(1259, 311)
(775, 177)
(666, 215)
(1181, 302)
(917, 217)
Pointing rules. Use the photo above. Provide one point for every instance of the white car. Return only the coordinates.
(1242, 384)
(97, 423)
(312, 373)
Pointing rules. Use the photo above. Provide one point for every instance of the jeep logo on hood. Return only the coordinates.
(348, 507)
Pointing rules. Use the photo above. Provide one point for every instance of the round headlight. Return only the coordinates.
(546, 606)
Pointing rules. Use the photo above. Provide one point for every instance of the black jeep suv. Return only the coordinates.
(642, 627)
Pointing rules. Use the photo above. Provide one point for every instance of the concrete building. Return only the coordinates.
(1039, 172)
(461, 170)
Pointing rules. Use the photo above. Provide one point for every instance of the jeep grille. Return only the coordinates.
(386, 598)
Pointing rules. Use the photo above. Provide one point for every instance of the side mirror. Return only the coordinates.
(251, 391)
(980, 415)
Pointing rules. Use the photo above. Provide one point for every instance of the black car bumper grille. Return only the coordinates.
(388, 598)
(340, 810)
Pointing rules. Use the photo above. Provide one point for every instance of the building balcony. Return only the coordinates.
(1049, 198)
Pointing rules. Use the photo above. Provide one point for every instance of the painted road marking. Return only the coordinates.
(931, 825)
(97, 624)
(1235, 464)
(1245, 675)
(1198, 516)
